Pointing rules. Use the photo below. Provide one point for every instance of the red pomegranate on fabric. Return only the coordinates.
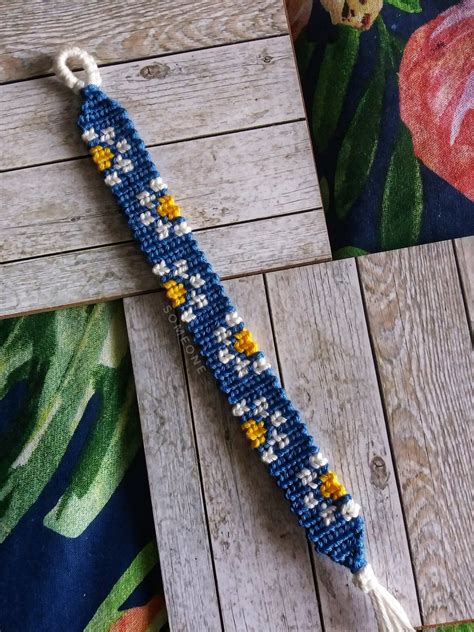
(437, 95)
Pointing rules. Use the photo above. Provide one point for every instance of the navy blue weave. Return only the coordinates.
(251, 387)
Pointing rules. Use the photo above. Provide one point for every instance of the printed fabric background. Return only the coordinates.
(388, 88)
(389, 92)
(77, 547)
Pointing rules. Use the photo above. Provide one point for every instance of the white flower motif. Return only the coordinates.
(307, 477)
(327, 514)
(233, 319)
(280, 439)
(350, 510)
(112, 179)
(196, 280)
(261, 406)
(222, 334)
(268, 456)
(240, 408)
(200, 300)
(318, 460)
(162, 230)
(147, 218)
(277, 419)
(310, 501)
(225, 356)
(181, 268)
(122, 146)
(124, 164)
(187, 315)
(146, 199)
(89, 135)
(157, 184)
(241, 366)
(160, 269)
(260, 365)
(108, 136)
(182, 228)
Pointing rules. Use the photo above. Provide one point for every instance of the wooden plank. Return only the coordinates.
(173, 471)
(260, 554)
(31, 32)
(328, 370)
(171, 98)
(221, 180)
(424, 356)
(465, 256)
(120, 270)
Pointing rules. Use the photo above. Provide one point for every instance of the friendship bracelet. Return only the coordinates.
(269, 420)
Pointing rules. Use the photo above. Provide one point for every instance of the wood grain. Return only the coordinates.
(328, 371)
(261, 557)
(222, 180)
(31, 33)
(170, 98)
(424, 356)
(120, 270)
(465, 256)
(173, 472)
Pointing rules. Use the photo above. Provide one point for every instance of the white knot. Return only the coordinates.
(389, 613)
(66, 75)
(365, 579)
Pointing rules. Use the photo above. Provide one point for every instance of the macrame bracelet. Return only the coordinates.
(269, 420)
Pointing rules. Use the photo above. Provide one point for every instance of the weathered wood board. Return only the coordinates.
(328, 371)
(198, 93)
(30, 33)
(249, 178)
(262, 562)
(425, 362)
(412, 479)
(383, 372)
(173, 469)
(218, 181)
(120, 270)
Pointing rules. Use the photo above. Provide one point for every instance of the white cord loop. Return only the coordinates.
(389, 613)
(66, 75)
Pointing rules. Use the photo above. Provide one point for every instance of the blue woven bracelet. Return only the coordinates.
(268, 418)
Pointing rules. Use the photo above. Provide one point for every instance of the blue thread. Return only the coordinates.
(341, 539)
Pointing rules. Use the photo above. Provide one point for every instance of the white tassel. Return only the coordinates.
(390, 615)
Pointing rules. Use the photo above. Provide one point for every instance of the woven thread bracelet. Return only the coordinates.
(271, 423)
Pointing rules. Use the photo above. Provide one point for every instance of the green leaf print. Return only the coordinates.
(37, 350)
(330, 93)
(349, 251)
(402, 201)
(67, 346)
(409, 6)
(108, 612)
(391, 47)
(456, 627)
(16, 352)
(113, 444)
(359, 146)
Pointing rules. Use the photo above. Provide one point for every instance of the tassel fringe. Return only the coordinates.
(389, 613)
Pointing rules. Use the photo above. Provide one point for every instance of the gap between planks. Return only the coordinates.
(218, 181)
(328, 370)
(213, 91)
(173, 472)
(109, 272)
(235, 505)
(424, 356)
(126, 31)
